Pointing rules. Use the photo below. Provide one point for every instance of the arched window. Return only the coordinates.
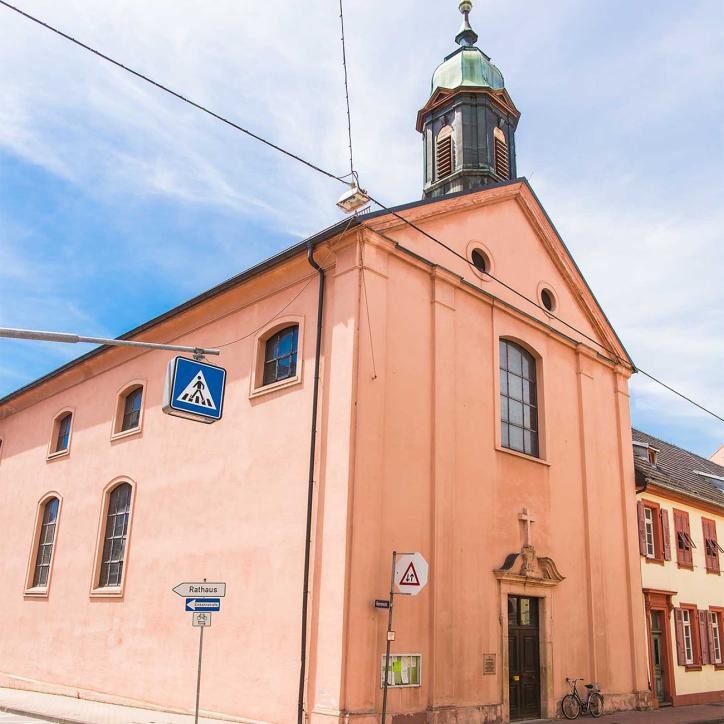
(62, 432)
(46, 540)
(114, 536)
(518, 399)
(502, 158)
(280, 355)
(444, 152)
(131, 415)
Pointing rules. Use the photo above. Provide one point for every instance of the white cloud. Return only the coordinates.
(621, 134)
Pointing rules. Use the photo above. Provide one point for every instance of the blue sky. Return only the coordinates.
(117, 202)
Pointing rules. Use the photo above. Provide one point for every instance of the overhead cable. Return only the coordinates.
(341, 179)
(174, 93)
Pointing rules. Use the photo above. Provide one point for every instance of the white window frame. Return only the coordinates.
(716, 635)
(688, 640)
(650, 535)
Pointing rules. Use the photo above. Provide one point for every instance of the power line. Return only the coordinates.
(174, 93)
(346, 91)
(328, 174)
(676, 392)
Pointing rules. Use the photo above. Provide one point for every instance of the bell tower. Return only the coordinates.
(468, 123)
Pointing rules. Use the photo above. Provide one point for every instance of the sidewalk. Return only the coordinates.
(68, 710)
(700, 714)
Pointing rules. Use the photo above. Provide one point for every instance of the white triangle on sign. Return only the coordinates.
(197, 392)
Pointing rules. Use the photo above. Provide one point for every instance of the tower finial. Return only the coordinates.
(466, 35)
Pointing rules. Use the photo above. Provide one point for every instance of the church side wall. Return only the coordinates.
(226, 502)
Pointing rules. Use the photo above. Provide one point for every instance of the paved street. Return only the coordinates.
(17, 719)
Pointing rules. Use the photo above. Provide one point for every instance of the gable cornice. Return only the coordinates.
(521, 192)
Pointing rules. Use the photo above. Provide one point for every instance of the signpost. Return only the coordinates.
(201, 607)
(409, 574)
(203, 604)
(194, 390)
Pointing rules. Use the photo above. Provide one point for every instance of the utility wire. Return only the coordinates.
(676, 392)
(328, 174)
(174, 93)
(346, 93)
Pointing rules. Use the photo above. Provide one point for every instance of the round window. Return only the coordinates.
(480, 261)
(547, 299)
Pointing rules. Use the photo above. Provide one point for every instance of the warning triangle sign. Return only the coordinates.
(409, 577)
(197, 392)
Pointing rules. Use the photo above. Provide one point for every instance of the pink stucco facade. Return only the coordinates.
(409, 457)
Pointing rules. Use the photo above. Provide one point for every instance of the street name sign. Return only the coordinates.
(186, 590)
(194, 390)
(411, 572)
(203, 604)
(200, 619)
(382, 603)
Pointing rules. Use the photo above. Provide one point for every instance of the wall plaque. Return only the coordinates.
(488, 664)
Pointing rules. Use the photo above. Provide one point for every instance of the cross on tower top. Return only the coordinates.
(527, 519)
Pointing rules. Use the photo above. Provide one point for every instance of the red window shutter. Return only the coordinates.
(679, 626)
(704, 636)
(642, 528)
(689, 552)
(710, 629)
(665, 533)
(711, 546)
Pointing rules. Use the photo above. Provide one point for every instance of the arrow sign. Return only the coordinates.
(200, 589)
(203, 604)
(411, 572)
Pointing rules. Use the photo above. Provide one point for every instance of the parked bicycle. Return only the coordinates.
(573, 706)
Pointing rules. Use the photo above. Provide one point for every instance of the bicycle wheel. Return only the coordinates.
(595, 705)
(570, 706)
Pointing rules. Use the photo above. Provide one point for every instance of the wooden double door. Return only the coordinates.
(523, 658)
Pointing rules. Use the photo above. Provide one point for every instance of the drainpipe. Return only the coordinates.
(310, 489)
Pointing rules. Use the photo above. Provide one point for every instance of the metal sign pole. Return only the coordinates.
(198, 675)
(389, 631)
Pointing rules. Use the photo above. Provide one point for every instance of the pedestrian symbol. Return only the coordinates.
(194, 390)
(197, 392)
(409, 577)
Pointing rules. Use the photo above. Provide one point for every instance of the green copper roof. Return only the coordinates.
(468, 66)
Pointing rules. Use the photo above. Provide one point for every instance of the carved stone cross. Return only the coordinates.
(527, 519)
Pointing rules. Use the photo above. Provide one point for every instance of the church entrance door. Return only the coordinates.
(523, 658)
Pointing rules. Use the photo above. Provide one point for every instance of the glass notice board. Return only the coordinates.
(405, 670)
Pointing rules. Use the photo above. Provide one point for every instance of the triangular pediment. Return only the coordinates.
(528, 254)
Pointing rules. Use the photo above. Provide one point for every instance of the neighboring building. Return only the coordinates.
(455, 418)
(681, 523)
(718, 456)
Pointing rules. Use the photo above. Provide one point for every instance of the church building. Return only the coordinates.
(439, 379)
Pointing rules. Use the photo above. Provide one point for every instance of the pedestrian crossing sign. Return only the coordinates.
(194, 390)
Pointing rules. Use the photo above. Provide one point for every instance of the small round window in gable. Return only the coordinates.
(547, 299)
(480, 261)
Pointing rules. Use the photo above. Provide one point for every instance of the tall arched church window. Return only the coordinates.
(444, 152)
(46, 540)
(62, 433)
(114, 536)
(518, 399)
(502, 157)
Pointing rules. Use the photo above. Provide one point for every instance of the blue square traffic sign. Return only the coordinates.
(203, 604)
(195, 389)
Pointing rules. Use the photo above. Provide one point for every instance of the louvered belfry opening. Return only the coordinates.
(502, 160)
(444, 152)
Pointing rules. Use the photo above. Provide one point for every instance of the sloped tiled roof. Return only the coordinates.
(675, 470)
